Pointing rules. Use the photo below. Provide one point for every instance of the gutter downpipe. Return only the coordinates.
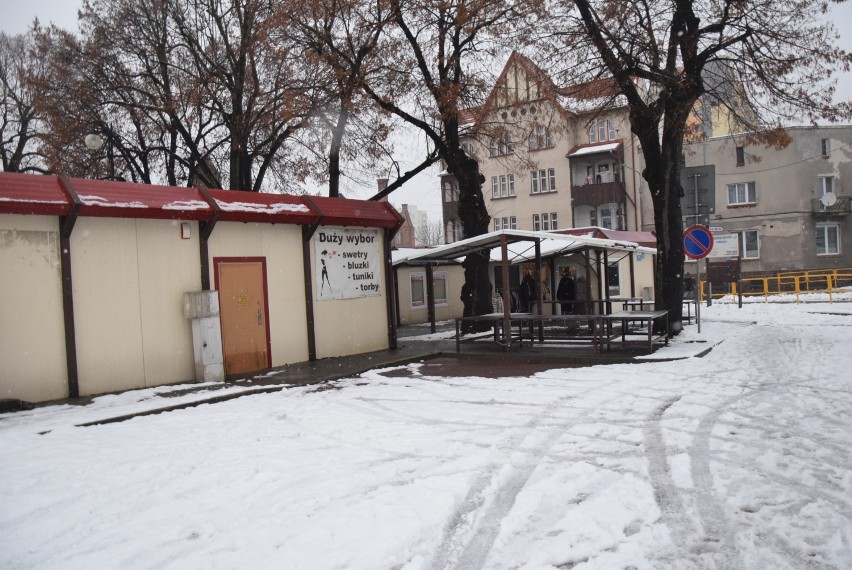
(66, 226)
(206, 228)
(307, 234)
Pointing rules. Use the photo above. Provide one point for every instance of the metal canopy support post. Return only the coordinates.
(66, 227)
(507, 305)
(430, 296)
(588, 256)
(539, 301)
(632, 276)
(605, 286)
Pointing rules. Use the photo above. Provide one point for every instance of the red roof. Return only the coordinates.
(342, 212)
(263, 208)
(107, 198)
(28, 194)
(44, 195)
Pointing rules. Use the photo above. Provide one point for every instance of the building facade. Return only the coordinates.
(550, 159)
(789, 208)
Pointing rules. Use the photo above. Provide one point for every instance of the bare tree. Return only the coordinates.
(763, 62)
(19, 124)
(428, 234)
(436, 65)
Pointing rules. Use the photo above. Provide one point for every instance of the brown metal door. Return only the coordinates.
(242, 306)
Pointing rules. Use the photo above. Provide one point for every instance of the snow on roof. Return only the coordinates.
(594, 149)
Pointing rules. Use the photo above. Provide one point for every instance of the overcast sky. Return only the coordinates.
(17, 15)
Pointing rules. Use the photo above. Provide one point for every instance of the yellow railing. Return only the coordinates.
(828, 281)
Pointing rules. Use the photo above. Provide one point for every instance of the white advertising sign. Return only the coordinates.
(348, 263)
(724, 245)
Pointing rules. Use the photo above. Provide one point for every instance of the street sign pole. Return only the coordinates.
(697, 243)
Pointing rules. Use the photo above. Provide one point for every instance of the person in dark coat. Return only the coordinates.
(565, 291)
(527, 292)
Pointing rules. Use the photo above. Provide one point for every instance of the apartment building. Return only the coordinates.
(550, 159)
(789, 208)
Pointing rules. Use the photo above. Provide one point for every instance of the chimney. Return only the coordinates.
(382, 183)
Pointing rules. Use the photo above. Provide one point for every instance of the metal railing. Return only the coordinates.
(827, 281)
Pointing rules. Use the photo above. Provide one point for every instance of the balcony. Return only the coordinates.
(842, 207)
(603, 188)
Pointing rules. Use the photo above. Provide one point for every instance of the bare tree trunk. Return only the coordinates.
(334, 150)
(476, 291)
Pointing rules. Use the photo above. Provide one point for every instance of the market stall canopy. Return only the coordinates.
(521, 246)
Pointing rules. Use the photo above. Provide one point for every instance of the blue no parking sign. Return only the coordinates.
(697, 242)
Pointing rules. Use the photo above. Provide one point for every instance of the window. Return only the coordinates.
(545, 222)
(603, 173)
(740, 156)
(533, 182)
(825, 146)
(504, 223)
(418, 290)
(593, 218)
(742, 193)
(542, 181)
(536, 223)
(826, 185)
(439, 287)
(501, 146)
(551, 174)
(540, 137)
(749, 244)
(606, 218)
(502, 186)
(602, 130)
(828, 240)
(513, 223)
(553, 225)
(498, 224)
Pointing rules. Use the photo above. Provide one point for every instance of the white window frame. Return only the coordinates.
(741, 238)
(436, 277)
(533, 182)
(553, 223)
(593, 133)
(745, 193)
(511, 184)
(823, 230)
(825, 147)
(545, 222)
(542, 181)
(513, 222)
(551, 175)
(824, 185)
(536, 223)
(498, 225)
(602, 130)
(417, 303)
(495, 188)
(504, 190)
(611, 131)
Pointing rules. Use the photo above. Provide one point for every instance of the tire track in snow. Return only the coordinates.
(473, 528)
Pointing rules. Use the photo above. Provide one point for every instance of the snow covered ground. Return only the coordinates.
(739, 459)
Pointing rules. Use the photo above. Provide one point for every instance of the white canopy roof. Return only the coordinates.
(593, 149)
(520, 246)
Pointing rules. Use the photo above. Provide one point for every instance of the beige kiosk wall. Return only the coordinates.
(129, 277)
(281, 245)
(32, 340)
(453, 308)
(350, 326)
